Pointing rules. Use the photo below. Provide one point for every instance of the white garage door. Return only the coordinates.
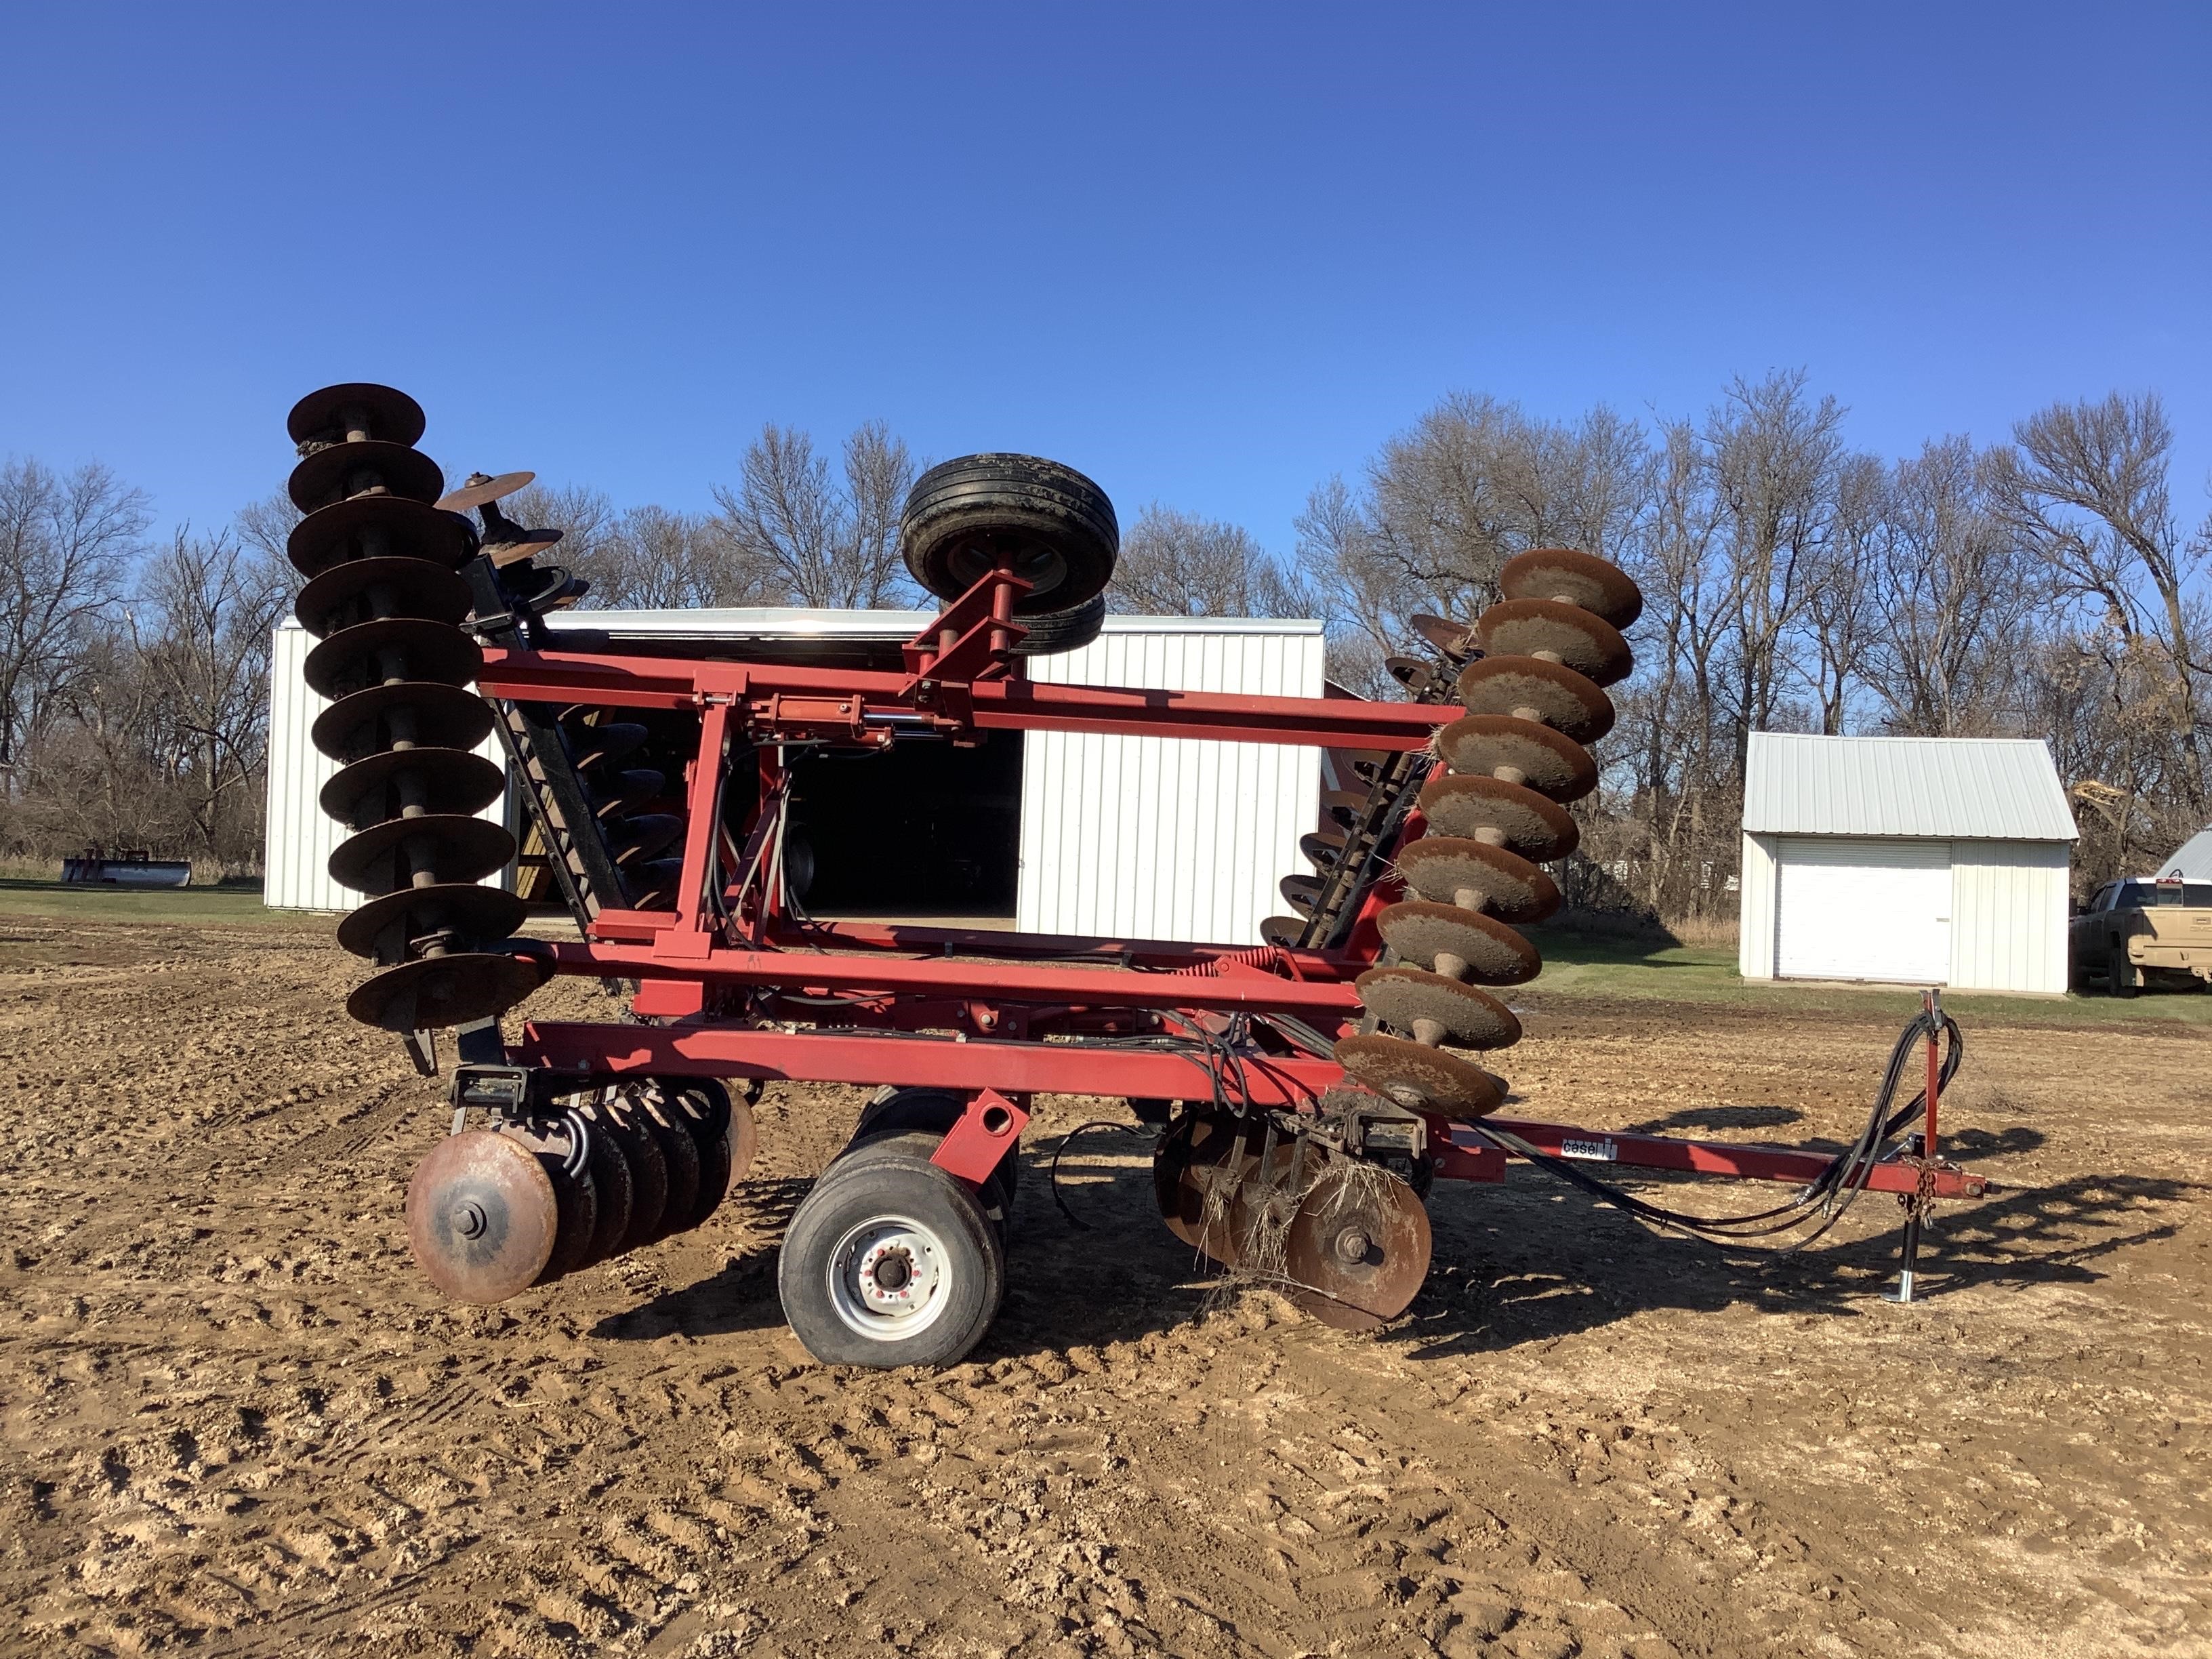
(1864, 909)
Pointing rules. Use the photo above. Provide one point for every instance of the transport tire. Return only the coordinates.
(1054, 526)
(930, 1113)
(1056, 632)
(890, 1262)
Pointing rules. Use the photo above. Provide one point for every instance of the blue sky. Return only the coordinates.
(1209, 254)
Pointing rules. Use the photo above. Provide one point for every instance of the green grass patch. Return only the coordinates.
(1582, 964)
(229, 905)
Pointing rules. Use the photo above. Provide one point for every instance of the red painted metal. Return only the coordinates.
(727, 964)
(669, 955)
(1143, 953)
(1717, 1158)
(979, 1142)
(907, 1060)
(867, 705)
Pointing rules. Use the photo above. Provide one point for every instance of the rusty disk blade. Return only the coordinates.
(1581, 639)
(1358, 1246)
(1213, 1177)
(391, 648)
(1321, 849)
(613, 1192)
(479, 487)
(390, 413)
(573, 1195)
(382, 928)
(1454, 639)
(1568, 577)
(599, 745)
(356, 590)
(421, 712)
(612, 1120)
(378, 527)
(345, 471)
(533, 543)
(722, 1129)
(1283, 932)
(441, 991)
(681, 1154)
(437, 779)
(1416, 675)
(384, 857)
(482, 1216)
(1344, 806)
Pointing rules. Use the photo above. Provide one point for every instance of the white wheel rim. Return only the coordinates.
(890, 1279)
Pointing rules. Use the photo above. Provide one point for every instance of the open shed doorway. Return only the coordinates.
(921, 829)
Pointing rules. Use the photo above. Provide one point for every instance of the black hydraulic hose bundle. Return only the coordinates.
(1823, 1201)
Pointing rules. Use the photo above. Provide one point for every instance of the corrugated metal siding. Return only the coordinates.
(301, 838)
(2193, 862)
(2008, 916)
(1940, 788)
(1160, 837)
(2009, 912)
(1755, 909)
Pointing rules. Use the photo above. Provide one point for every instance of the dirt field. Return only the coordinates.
(233, 1419)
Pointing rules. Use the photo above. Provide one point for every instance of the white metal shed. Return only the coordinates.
(1914, 861)
(1146, 837)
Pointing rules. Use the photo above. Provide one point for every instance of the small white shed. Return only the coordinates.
(1122, 836)
(1912, 860)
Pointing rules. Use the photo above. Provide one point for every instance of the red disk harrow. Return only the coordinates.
(1308, 1089)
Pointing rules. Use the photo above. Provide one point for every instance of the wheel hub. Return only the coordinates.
(888, 1278)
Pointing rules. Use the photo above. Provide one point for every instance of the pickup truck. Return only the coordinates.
(2144, 930)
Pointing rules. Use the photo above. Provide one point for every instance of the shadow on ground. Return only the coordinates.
(1528, 1261)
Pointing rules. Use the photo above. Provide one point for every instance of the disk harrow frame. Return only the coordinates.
(731, 984)
(1318, 1101)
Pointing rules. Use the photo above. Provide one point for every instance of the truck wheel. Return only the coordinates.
(1054, 632)
(890, 1262)
(2120, 972)
(1052, 525)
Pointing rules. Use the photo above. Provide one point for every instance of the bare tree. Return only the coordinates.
(1952, 597)
(202, 627)
(66, 542)
(1176, 564)
(814, 541)
(1772, 457)
(2085, 486)
(1840, 590)
(1473, 482)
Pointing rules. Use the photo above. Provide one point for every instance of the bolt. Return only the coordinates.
(469, 1220)
(1352, 1245)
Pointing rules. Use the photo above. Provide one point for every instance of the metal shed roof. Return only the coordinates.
(1963, 788)
(2194, 860)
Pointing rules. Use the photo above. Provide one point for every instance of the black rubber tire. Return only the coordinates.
(1056, 526)
(930, 1111)
(884, 1180)
(1052, 633)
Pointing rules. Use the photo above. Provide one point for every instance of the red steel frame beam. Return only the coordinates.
(1024, 1068)
(672, 957)
(795, 701)
(1014, 1068)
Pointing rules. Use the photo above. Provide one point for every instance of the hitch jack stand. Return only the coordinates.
(1916, 1202)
